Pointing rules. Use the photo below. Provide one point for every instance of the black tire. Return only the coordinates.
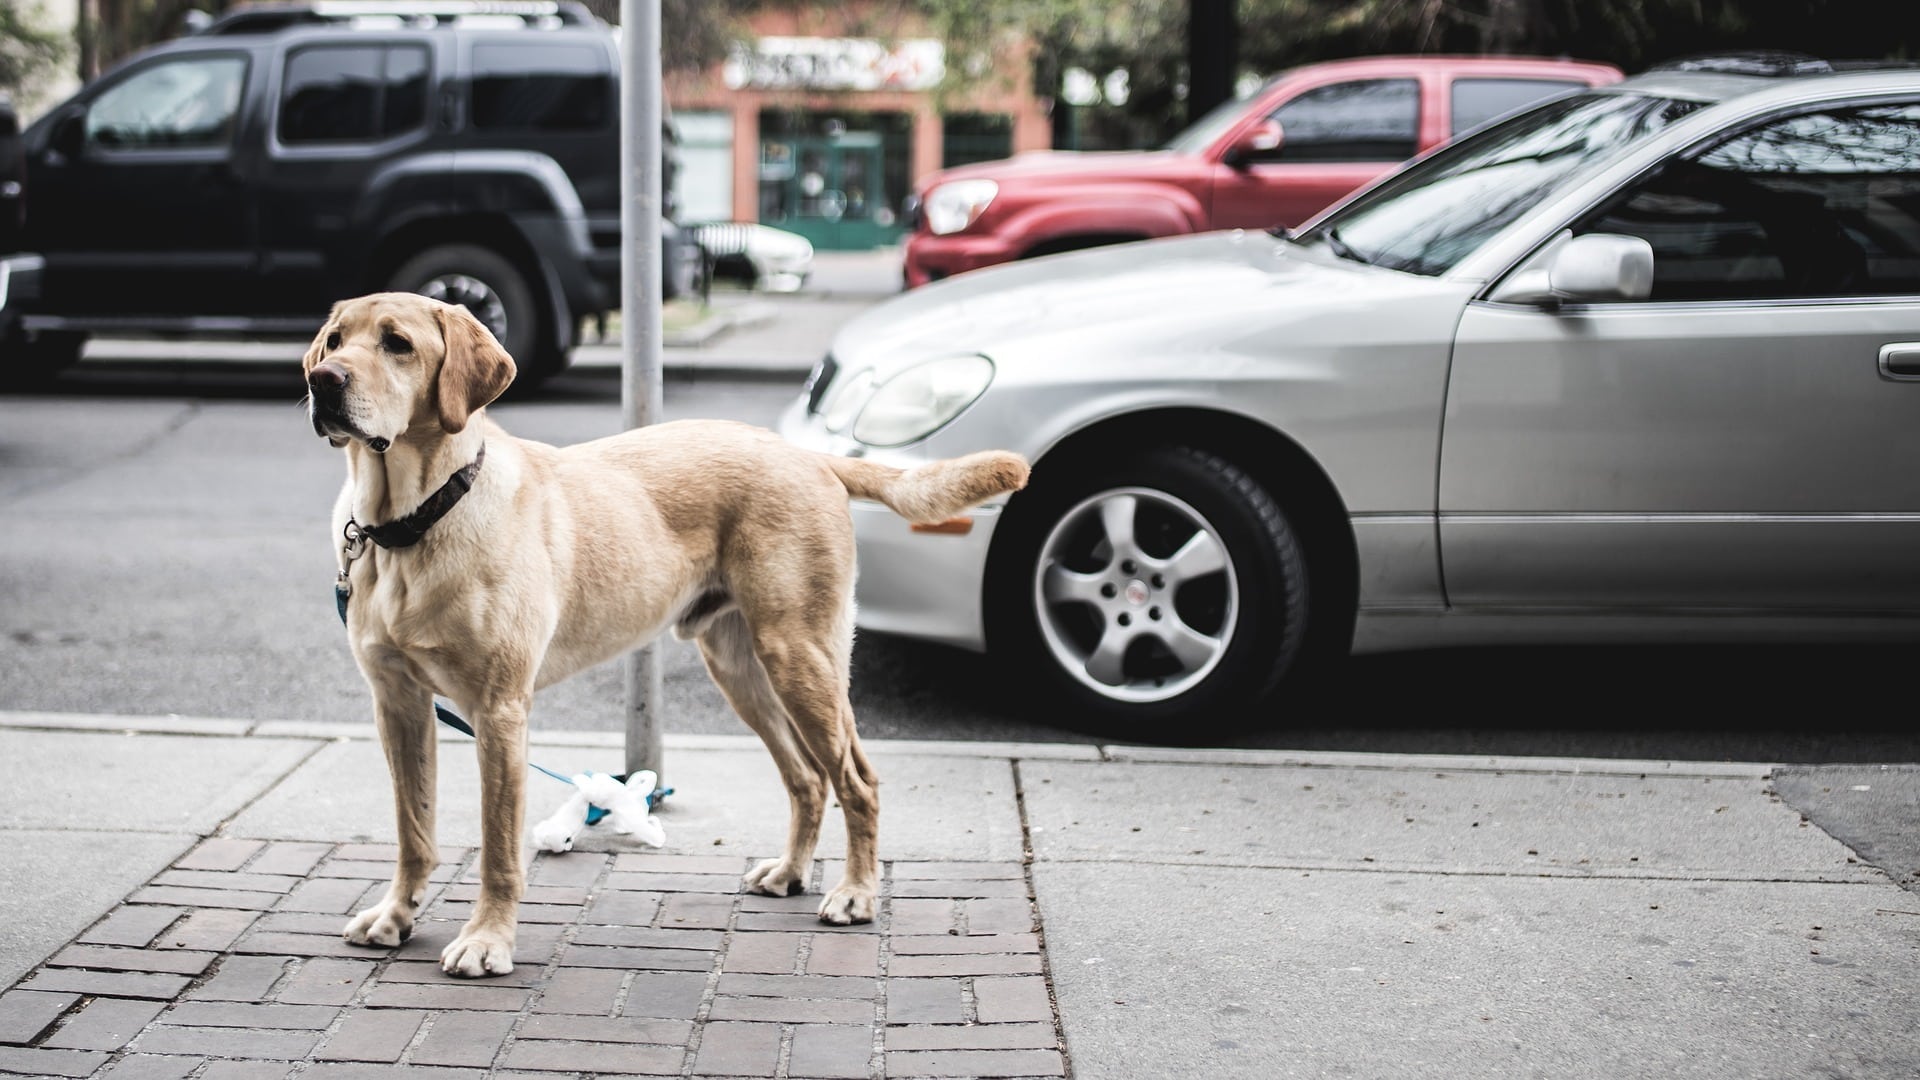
(31, 360)
(499, 294)
(1240, 627)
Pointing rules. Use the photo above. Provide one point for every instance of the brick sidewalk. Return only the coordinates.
(230, 966)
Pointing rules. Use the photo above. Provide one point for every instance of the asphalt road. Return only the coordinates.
(164, 551)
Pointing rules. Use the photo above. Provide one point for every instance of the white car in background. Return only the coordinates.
(1638, 364)
(758, 256)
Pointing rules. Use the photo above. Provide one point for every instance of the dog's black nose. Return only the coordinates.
(328, 383)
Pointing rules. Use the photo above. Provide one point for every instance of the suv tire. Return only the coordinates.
(499, 295)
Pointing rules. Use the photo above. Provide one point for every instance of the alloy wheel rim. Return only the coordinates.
(473, 294)
(1136, 595)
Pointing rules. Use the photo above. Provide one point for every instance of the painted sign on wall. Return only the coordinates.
(798, 63)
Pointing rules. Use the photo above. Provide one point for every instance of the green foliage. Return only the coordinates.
(1147, 38)
(29, 50)
(693, 33)
(124, 27)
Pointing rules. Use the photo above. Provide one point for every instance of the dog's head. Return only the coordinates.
(388, 363)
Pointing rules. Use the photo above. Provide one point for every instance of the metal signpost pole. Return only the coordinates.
(640, 333)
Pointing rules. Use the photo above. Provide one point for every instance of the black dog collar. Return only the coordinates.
(408, 530)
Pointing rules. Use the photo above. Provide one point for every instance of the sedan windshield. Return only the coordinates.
(1428, 218)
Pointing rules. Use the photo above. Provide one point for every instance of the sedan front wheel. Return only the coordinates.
(1162, 587)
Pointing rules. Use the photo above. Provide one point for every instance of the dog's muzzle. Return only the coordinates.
(328, 384)
(327, 397)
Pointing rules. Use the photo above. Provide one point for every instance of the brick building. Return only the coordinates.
(820, 126)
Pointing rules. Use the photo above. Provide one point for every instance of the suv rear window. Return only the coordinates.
(551, 87)
(346, 94)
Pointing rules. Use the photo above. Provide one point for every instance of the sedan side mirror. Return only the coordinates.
(1262, 138)
(1596, 267)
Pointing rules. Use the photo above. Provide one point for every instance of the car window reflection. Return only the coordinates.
(1428, 218)
(1820, 204)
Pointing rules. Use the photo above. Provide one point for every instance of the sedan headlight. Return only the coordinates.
(845, 401)
(952, 207)
(911, 404)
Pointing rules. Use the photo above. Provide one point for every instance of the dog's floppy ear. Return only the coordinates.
(475, 370)
(319, 346)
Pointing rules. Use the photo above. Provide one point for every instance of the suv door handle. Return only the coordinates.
(1900, 361)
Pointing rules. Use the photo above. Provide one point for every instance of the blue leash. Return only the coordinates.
(452, 719)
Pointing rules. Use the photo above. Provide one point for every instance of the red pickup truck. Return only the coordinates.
(1309, 136)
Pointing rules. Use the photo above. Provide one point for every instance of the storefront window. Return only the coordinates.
(970, 137)
(834, 177)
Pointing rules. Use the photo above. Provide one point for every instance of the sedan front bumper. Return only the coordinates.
(920, 584)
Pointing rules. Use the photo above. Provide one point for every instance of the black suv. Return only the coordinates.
(19, 273)
(244, 177)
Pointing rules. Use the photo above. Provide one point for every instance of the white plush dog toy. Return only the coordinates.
(626, 806)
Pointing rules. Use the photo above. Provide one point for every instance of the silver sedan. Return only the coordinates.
(1642, 363)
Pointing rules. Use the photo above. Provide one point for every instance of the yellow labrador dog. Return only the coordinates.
(483, 567)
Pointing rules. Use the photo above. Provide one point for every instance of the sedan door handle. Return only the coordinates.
(1900, 361)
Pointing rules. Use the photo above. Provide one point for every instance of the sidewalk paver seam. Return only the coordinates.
(709, 992)
(882, 971)
(1039, 928)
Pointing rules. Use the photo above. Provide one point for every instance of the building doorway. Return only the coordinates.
(830, 181)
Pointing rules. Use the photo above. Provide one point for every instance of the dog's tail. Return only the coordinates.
(932, 493)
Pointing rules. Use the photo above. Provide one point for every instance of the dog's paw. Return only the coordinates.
(478, 951)
(383, 925)
(847, 904)
(775, 878)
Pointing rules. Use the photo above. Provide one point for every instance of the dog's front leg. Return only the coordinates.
(485, 944)
(403, 710)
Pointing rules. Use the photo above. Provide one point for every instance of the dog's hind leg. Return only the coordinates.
(858, 786)
(726, 645)
(809, 673)
(403, 710)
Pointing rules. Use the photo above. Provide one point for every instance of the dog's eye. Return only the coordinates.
(394, 343)
(333, 341)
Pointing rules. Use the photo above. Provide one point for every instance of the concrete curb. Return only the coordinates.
(719, 320)
(1117, 754)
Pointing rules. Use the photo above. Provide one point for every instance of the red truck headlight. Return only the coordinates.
(953, 206)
